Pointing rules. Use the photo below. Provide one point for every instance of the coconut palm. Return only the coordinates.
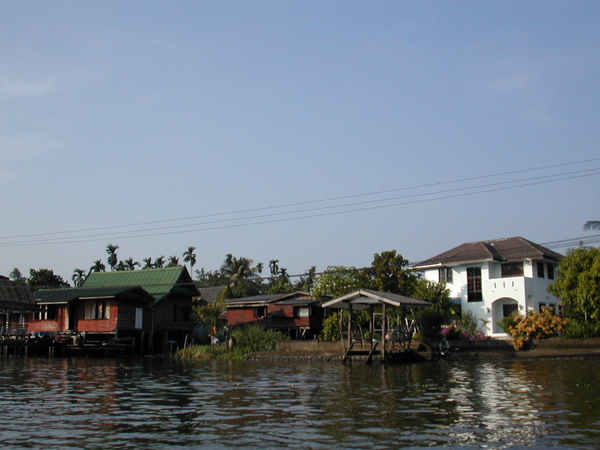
(159, 262)
(78, 277)
(130, 264)
(190, 257)
(98, 266)
(148, 264)
(212, 315)
(243, 278)
(112, 259)
(173, 261)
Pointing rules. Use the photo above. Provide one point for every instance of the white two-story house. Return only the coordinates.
(492, 279)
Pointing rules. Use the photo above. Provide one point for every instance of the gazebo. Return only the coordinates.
(368, 299)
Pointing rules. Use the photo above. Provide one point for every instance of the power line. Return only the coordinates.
(288, 205)
(219, 224)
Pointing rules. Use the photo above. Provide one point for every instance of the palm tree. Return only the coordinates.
(112, 256)
(173, 261)
(159, 262)
(274, 267)
(592, 225)
(78, 277)
(148, 264)
(212, 315)
(98, 266)
(242, 277)
(190, 257)
(130, 264)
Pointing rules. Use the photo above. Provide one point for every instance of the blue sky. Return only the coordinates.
(315, 132)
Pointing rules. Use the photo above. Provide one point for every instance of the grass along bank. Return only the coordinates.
(246, 340)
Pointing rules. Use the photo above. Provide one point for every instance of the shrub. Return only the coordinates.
(331, 328)
(453, 332)
(535, 326)
(509, 321)
(255, 338)
(469, 325)
(429, 322)
(580, 329)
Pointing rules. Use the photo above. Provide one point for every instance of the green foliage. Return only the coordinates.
(210, 278)
(429, 322)
(339, 280)
(242, 278)
(509, 321)
(331, 328)
(577, 329)
(469, 324)
(578, 284)
(16, 275)
(255, 338)
(44, 279)
(212, 315)
(436, 293)
(389, 273)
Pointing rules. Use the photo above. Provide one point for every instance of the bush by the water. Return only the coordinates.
(580, 329)
(253, 338)
(535, 326)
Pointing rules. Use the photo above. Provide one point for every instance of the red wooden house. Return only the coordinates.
(297, 314)
(94, 314)
(173, 291)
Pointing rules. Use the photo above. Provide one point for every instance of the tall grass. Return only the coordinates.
(253, 338)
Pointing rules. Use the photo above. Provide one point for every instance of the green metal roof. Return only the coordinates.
(68, 295)
(158, 282)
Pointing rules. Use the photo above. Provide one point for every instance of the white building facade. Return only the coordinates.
(493, 279)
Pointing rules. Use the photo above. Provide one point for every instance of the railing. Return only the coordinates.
(13, 330)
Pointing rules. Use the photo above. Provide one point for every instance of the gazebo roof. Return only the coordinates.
(365, 298)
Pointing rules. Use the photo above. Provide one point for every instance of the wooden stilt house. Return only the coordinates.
(173, 291)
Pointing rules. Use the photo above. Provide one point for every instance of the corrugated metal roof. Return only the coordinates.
(507, 249)
(69, 295)
(158, 282)
(15, 292)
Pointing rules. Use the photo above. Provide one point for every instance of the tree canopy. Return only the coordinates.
(45, 278)
(578, 283)
(339, 280)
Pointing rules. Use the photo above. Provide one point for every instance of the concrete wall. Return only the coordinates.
(309, 346)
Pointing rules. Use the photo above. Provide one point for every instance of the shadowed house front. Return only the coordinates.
(99, 315)
(173, 292)
(16, 301)
(297, 314)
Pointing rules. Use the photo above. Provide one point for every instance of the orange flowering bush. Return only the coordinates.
(535, 326)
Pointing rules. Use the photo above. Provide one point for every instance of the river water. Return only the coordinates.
(156, 403)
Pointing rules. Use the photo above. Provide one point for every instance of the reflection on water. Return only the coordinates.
(153, 403)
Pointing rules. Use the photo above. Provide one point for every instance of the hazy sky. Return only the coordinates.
(312, 132)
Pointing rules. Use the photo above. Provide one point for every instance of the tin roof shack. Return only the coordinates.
(94, 315)
(298, 315)
(174, 292)
(16, 300)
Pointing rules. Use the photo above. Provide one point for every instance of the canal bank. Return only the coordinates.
(555, 348)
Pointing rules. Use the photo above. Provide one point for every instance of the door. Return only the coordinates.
(507, 310)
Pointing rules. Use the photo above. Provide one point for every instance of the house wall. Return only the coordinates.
(49, 326)
(238, 316)
(173, 313)
(527, 291)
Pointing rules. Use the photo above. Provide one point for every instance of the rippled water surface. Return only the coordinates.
(155, 403)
